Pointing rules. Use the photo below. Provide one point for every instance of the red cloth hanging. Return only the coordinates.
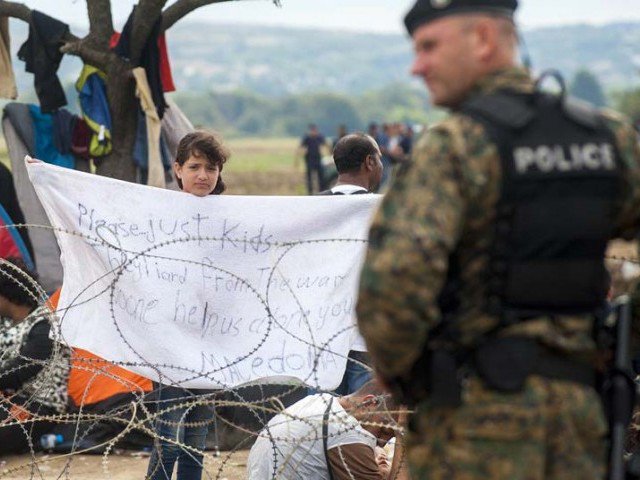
(165, 67)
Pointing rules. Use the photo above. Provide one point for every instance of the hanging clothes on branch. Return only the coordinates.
(18, 129)
(149, 59)
(45, 145)
(41, 53)
(95, 109)
(141, 152)
(154, 126)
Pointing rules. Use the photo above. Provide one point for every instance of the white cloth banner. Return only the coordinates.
(206, 292)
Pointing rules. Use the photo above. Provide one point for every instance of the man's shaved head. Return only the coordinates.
(454, 52)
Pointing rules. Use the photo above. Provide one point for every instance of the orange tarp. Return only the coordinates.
(93, 379)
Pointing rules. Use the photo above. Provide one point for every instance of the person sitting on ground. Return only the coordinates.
(33, 368)
(325, 437)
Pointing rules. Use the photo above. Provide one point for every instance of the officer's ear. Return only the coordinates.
(487, 34)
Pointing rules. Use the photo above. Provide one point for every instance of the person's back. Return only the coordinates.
(291, 446)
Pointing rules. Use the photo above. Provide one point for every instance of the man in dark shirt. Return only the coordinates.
(33, 373)
(312, 144)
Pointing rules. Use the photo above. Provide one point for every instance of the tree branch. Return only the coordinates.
(85, 49)
(100, 21)
(147, 13)
(15, 10)
(181, 8)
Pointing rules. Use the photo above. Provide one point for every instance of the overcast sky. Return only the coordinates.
(359, 15)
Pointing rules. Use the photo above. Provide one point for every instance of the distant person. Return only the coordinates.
(33, 369)
(342, 132)
(312, 144)
(326, 437)
(406, 141)
(383, 139)
(373, 130)
(198, 167)
(358, 161)
(395, 149)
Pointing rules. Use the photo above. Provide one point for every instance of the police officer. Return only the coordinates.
(485, 274)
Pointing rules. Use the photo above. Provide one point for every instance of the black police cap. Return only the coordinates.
(425, 11)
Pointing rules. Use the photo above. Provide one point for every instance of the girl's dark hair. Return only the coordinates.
(203, 144)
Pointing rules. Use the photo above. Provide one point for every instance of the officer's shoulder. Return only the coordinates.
(459, 131)
(616, 120)
(462, 143)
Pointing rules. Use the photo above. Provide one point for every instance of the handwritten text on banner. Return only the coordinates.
(206, 292)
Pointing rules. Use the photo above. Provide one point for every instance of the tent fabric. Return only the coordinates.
(93, 379)
(20, 117)
(43, 240)
(11, 243)
(92, 90)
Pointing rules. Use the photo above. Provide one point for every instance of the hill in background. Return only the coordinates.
(252, 80)
(278, 61)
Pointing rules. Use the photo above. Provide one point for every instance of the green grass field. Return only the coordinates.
(261, 154)
(264, 166)
(258, 166)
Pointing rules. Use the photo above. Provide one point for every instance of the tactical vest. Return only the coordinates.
(561, 179)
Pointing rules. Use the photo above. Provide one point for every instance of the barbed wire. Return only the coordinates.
(251, 411)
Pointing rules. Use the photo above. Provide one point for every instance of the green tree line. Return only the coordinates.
(247, 113)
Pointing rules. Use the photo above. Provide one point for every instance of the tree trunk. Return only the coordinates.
(124, 119)
(94, 50)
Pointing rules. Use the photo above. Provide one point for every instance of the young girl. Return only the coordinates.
(198, 165)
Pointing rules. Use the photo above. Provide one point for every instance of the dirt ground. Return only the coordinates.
(122, 465)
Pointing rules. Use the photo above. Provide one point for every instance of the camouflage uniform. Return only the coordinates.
(445, 202)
